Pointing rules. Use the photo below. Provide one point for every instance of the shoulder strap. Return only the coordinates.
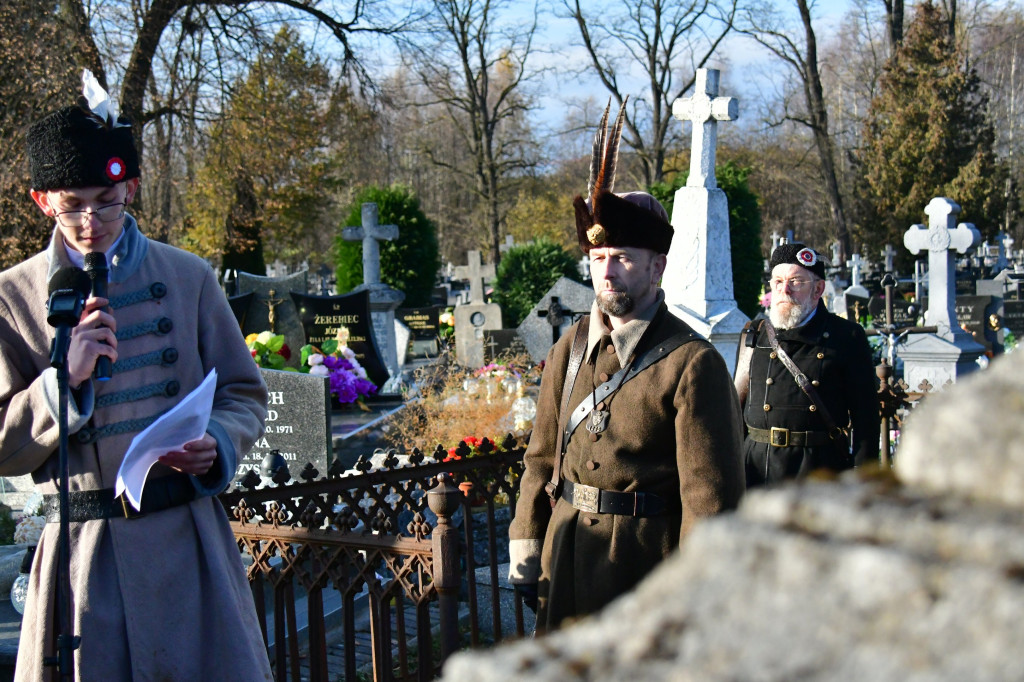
(579, 347)
(608, 388)
(803, 382)
(744, 354)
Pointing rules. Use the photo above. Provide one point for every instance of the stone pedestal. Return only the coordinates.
(930, 361)
(698, 279)
(384, 300)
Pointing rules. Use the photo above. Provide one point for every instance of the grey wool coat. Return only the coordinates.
(674, 431)
(164, 596)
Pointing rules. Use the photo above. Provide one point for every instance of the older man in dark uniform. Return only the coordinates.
(638, 429)
(805, 378)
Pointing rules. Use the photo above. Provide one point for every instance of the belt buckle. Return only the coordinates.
(127, 508)
(779, 437)
(585, 497)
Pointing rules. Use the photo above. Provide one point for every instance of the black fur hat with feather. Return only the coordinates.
(87, 145)
(606, 219)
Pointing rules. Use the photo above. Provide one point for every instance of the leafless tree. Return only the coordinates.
(651, 38)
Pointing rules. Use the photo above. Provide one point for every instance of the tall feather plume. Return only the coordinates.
(606, 147)
(95, 101)
(598, 152)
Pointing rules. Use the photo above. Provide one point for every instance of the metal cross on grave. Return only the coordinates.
(855, 264)
(889, 254)
(476, 273)
(370, 233)
(558, 316)
(940, 238)
(704, 110)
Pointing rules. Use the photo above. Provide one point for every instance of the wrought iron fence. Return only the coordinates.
(382, 548)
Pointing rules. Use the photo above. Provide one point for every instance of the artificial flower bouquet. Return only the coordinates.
(268, 349)
(336, 361)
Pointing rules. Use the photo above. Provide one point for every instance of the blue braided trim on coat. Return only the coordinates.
(169, 388)
(91, 435)
(157, 290)
(157, 326)
(167, 356)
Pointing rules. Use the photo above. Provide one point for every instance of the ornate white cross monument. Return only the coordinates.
(704, 110)
(476, 273)
(855, 264)
(370, 233)
(932, 361)
(698, 279)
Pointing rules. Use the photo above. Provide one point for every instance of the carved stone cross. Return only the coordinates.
(855, 264)
(889, 254)
(370, 233)
(508, 245)
(476, 273)
(704, 110)
(940, 239)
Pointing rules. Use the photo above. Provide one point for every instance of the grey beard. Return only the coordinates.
(615, 303)
(792, 318)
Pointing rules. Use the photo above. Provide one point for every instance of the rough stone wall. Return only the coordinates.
(918, 577)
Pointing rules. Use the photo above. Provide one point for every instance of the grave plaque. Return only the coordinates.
(972, 313)
(856, 305)
(500, 343)
(322, 316)
(422, 322)
(904, 313)
(298, 423)
(1013, 317)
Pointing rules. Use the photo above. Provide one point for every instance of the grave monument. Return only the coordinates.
(933, 360)
(539, 330)
(474, 318)
(270, 307)
(698, 279)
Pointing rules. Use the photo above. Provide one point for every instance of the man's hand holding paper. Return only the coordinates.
(195, 457)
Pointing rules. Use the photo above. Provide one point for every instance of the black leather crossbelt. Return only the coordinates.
(88, 505)
(596, 501)
(784, 438)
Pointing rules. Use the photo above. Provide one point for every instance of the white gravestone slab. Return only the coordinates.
(698, 279)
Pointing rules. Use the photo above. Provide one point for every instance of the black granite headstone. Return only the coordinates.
(903, 312)
(240, 306)
(422, 322)
(1013, 317)
(500, 343)
(298, 423)
(856, 307)
(972, 313)
(322, 316)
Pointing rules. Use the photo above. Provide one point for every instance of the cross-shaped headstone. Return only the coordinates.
(704, 110)
(889, 254)
(477, 274)
(776, 240)
(509, 244)
(855, 264)
(583, 266)
(940, 238)
(370, 233)
(835, 246)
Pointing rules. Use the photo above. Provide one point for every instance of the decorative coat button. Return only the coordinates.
(600, 405)
(773, 355)
(767, 407)
(158, 289)
(604, 376)
(86, 435)
(172, 389)
(164, 325)
(591, 465)
(610, 349)
(814, 383)
(825, 335)
(821, 356)
(813, 408)
(169, 356)
(594, 437)
(769, 381)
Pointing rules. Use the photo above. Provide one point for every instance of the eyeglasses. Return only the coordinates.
(796, 283)
(105, 214)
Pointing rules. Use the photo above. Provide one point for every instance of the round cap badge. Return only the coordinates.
(807, 257)
(115, 169)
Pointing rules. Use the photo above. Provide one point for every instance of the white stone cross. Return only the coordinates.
(835, 246)
(509, 244)
(940, 238)
(776, 240)
(889, 254)
(583, 266)
(704, 110)
(855, 264)
(476, 274)
(370, 233)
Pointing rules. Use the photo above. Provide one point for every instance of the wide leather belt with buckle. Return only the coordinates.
(87, 505)
(587, 498)
(784, 438)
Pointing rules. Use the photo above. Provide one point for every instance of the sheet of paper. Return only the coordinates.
(184, 422)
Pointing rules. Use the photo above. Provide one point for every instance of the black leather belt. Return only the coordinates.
(596, 501)
(88, 505)
(784, 438)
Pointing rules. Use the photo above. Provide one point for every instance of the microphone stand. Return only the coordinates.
(67, 642)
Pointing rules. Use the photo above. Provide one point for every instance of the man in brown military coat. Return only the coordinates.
(651, 419)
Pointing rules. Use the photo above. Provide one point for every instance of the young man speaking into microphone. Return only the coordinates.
(159, 593)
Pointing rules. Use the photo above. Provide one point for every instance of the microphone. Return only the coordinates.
(69, 288)
(96, 269)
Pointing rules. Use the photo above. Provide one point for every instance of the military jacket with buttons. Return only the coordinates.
(834, 354)
(674, 430)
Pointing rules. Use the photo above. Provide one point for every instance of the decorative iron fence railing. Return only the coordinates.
(382, 548)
